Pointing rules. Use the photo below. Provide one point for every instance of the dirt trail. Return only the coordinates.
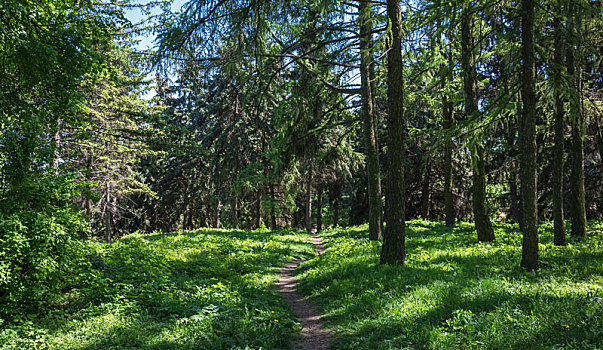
(314, 335)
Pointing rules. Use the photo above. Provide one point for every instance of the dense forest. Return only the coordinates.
(480, 118)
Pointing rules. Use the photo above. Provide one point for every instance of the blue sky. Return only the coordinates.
(136, 16)
(147, 41)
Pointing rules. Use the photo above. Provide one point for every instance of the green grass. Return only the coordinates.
(207, 289)
(457, 293)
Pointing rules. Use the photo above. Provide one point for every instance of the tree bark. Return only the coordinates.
(217, 214)
(235, 212)
(558, 152)
(258, 212)
(335, 199)
(108, 214)
(515, 205)
(425, 193)
(320, 198)
(393, 248)
(448, 121)
(578, 211)
(527, 134)
(309, 201)
(480, 211)
(369, 120)
(273, 225)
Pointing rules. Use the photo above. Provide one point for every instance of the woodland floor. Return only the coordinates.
(228, 289)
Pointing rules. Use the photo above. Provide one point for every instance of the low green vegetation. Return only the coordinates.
(205, 289)
(456, 293)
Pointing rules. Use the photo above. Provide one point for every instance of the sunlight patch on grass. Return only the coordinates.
(205, 289)
(455, 292)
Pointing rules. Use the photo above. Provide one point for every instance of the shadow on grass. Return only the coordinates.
(457, 293)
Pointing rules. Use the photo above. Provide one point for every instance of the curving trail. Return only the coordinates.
(314, 335)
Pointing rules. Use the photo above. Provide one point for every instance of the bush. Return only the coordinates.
(38, 245)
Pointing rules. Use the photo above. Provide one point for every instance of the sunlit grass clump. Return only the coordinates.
(457, 293)
(204, 289)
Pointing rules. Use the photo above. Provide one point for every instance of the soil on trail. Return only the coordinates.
(314, 335)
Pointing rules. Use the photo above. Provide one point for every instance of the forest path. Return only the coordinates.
(314, 335)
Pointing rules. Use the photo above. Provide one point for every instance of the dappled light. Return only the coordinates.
(455, 292)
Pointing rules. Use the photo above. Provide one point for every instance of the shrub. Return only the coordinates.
(38, 245)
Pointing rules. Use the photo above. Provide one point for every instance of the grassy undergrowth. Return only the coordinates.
(205, 289)
(456, 293)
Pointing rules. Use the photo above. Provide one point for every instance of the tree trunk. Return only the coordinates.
(425, 193)
(448, 120)
(368, 117)
(258, 212)
(527, 134)
(319, 200)
(235, 212)
(335, 199)
(558, 152)
(273, 225)
(309, 201)
(480, 212)
(393, 248)
(577, 121)
(108, 214)
(217, 214)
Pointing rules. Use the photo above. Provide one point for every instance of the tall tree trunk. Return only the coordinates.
(393, 248)
(448, 120)
(578, 206)
(514, 206)
(480, 211)
(425, 193)
(235, 212)
(273, 225)
(369, 120)
(527, 134)
(257, 220)
(309, 201)
(108, 214)
(335, 199)
(320, 193)
(558, 152)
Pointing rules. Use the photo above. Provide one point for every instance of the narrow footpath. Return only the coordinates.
(314, 335)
